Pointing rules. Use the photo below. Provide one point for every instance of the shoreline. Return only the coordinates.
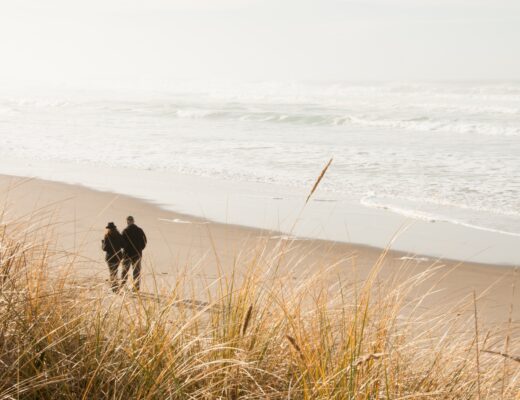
(190, 219)
(273, 208)
(182, 245)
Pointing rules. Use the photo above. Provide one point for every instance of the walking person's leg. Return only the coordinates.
(112, 266)
(127, 262)
(137, 273)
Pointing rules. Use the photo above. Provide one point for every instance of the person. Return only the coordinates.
(134, 242)
(112, 245)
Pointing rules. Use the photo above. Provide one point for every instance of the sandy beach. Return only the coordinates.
(182, 245)
(330, 193)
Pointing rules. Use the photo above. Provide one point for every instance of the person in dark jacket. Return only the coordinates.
(112, 245)
(134, 242)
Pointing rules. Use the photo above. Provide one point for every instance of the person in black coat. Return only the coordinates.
(112, 245)
(134, 242)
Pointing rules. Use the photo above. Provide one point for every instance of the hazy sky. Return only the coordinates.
(105, 40)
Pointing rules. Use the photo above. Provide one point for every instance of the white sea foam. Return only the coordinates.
(449, 215)
(182, 221)
(195, 113)
(175, 221)
(285, 237)
(413, 258)
(439, 125)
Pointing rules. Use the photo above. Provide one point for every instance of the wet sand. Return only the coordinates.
(182, 245)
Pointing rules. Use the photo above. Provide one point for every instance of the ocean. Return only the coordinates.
(428, 151)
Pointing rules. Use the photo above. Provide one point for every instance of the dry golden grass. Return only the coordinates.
(254, 334)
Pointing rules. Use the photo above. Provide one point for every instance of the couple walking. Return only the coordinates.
(127, 247)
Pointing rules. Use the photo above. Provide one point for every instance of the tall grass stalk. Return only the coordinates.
(255, 333)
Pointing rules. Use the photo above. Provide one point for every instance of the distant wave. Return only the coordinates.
(421, 123)
(484, 109)
(426, 124)
(460, 123)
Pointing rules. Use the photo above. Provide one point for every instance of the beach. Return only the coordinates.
(259, 200)
(181, 245)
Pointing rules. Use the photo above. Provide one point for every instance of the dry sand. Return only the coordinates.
(181, 244)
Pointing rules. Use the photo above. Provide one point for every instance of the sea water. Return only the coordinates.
(429, 151)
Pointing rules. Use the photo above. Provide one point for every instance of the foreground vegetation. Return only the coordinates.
(255, 334)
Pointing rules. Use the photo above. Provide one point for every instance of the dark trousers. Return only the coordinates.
(135, 262)
(113, 265)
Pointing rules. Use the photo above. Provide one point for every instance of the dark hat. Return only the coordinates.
(111, 225)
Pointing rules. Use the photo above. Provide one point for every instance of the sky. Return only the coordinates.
(57, 41)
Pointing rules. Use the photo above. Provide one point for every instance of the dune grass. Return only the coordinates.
(254, 333)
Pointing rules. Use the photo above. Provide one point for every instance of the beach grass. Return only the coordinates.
(252, 333)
